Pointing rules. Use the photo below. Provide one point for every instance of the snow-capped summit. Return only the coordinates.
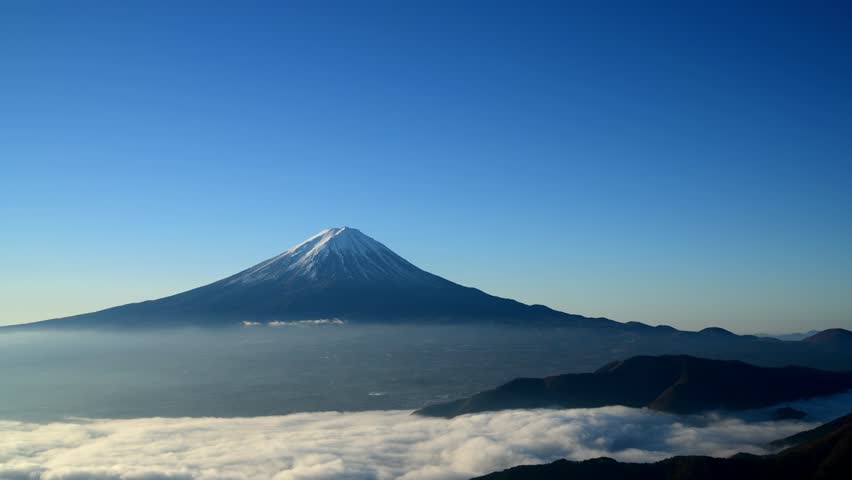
(334, 254)
(339, 273)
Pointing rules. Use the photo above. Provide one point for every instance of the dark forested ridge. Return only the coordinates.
(669, 383)
(826, 455)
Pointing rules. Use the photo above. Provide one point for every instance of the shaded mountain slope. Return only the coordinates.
(826, 456)
(338, 273)
(670, 383)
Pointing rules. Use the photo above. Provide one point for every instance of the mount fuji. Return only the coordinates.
(337, 274)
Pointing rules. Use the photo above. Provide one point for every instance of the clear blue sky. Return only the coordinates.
(679, 164)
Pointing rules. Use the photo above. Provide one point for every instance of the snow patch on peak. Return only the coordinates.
(342, 238)
(333, 254)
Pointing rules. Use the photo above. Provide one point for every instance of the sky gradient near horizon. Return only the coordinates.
(673, 164)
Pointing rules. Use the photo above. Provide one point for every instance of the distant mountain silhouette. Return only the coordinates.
(826, 455)
(343, 274)
(796, 336)
(788, 413)
(339, 273)
(810, 435)
(836, 339)
(669, 383)
(718, 332)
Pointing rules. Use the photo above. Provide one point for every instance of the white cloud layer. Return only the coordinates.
(367, 445)
(297, 323)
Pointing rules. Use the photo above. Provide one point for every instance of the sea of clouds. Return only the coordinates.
(373, 445)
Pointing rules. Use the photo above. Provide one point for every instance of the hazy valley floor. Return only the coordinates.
(278, 370)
